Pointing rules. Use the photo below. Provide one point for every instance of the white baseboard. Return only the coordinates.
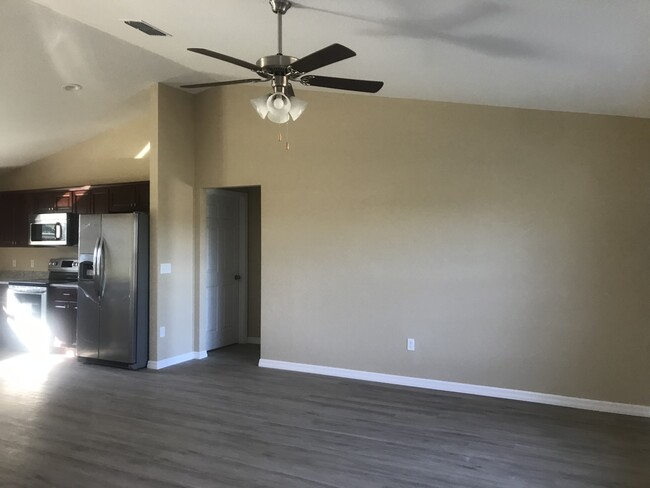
(253, 340)
(489, 391)
(164, 363)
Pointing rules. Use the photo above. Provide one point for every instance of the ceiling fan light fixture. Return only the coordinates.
(279, 107)
(298, 106)
(259, 104)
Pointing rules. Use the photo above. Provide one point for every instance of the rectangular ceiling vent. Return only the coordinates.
(148, 29)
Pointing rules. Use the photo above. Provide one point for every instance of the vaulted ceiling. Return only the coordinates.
(589, 56)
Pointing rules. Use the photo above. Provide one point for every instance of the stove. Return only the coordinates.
(27, 302)
(60, 271)
(63, 270)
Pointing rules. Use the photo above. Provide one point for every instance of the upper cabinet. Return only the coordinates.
(14, 219)
(47, 201)
(128, 198)
(123, 198)
(17, 206)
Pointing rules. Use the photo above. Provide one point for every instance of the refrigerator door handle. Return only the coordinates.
(96, 253)
(102, 267)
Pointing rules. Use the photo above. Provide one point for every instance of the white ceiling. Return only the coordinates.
(588, 56)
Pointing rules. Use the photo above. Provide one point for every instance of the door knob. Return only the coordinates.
(237, 277)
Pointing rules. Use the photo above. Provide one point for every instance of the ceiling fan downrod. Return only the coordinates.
(280, 8)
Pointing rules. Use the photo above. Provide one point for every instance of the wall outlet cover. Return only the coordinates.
(165, 268)
(410, 344)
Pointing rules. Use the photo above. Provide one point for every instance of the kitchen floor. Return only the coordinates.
(224, 422)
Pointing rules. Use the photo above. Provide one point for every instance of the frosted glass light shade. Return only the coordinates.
(298, 106)
(279, 106)
(259, 104)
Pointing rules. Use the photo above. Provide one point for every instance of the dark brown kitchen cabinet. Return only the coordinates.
(47, 201)
(62, 314)
(91, 201)
(14, 219)
(128, 198)
(17, 206)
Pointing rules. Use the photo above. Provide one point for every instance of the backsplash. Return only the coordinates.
(16, 260)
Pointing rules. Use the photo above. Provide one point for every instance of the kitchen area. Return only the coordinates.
(70, 254)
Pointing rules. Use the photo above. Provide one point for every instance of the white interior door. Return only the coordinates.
(223, 275)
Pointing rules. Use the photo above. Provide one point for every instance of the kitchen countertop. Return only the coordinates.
(7, 276)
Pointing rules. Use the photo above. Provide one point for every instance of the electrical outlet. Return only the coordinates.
(13, 263)
(410, 344)
(165, 268)
(31, 263)
(162, 331)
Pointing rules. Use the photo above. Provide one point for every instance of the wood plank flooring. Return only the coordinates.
(224, 422)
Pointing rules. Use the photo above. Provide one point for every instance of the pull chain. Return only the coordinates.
(286, 145)
(286, 138)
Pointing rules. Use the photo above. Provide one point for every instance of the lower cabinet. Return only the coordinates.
(62, 315)
(4, 327)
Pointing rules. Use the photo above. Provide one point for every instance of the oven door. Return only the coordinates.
(26, 316)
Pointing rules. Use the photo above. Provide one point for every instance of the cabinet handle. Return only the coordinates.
(60, 306)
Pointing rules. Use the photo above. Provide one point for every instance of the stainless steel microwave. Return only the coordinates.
(53, 229)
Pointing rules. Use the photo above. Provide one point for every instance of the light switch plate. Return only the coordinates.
(165, 268)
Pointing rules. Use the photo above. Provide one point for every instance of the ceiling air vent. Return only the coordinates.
(148, 29)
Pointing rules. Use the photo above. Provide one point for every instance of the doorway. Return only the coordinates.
(229, 267)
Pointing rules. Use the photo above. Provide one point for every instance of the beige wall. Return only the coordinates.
(107, 158)
(172, 224)
(511, 244)
(41, 256)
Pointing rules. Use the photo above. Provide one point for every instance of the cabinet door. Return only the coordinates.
(142, 197)
(20, 219)
(121, 198)
(100, 200)
(6, 220)
(14, 219)
(62, 315)
(51, 201)
(82, 201)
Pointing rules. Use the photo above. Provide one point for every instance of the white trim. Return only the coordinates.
(489, 391)
(253, 340)
(164, 363)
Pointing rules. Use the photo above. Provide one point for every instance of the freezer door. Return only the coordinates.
(88, 307)
(117, 269)
(90, 228)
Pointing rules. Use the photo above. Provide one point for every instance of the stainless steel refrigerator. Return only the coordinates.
(113, 298)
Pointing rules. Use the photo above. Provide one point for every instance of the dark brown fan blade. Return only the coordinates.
(222, 83)
(328, 55)
(223, 57)
(342, 83)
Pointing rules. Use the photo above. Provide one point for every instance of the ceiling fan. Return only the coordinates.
(280, 69)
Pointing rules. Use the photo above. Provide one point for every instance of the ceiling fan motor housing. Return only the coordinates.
(277, 64)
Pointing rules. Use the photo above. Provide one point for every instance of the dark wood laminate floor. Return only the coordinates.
(224, 422)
